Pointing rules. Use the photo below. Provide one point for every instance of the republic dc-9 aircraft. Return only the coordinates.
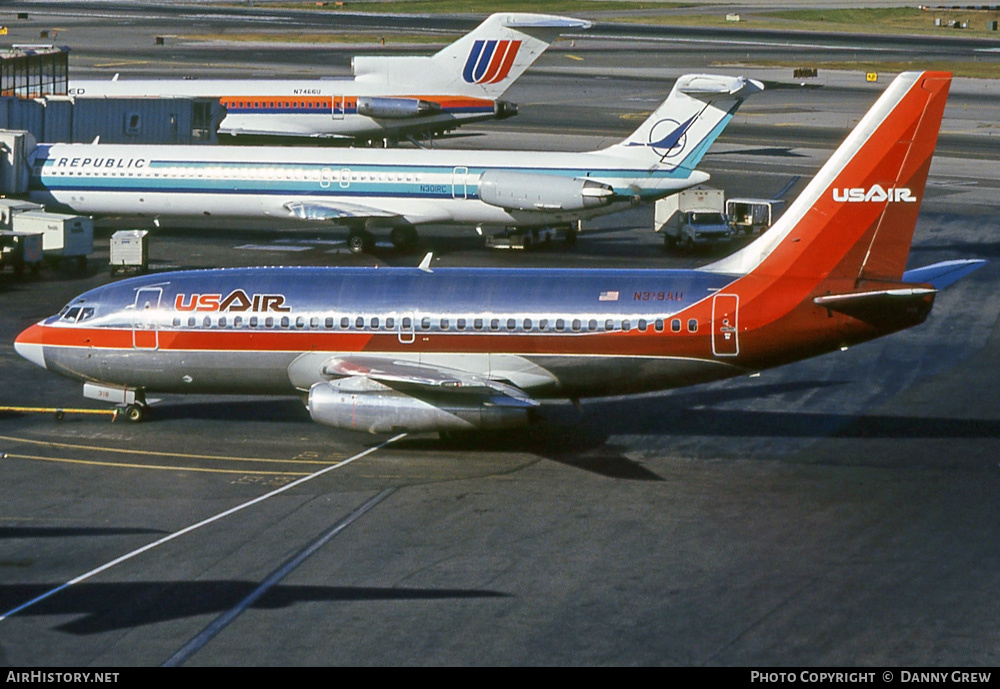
(388, 98)
(367, 189)
(422, 349)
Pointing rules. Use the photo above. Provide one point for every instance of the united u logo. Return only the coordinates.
(490, 61)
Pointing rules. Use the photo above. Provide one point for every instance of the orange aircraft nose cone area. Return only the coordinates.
(29, 345)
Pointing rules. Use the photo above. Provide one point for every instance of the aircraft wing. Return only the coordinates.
(340, 210)
(400, 375)
(284, 133)
(344, 211)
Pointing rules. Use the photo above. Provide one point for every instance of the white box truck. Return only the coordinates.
(693, 217)
(63, 236)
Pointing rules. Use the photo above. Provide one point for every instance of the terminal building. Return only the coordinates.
(35, 106)
(34, 98)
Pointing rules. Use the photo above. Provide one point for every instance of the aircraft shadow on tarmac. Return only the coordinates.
(583, 441)
(284, 410)
(693, 412)
(566, 436)
(154, 602)
(771, 152)
(785, 424)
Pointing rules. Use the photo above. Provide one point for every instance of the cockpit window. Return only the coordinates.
(73, 314)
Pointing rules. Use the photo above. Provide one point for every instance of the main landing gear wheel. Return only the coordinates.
(360, 242)
(136, 412)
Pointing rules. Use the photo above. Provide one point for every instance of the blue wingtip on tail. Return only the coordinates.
(940, 275)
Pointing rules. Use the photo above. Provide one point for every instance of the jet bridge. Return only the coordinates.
(16, 150)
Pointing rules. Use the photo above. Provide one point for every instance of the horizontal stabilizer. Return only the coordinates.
(714, 84)
(940, 275)
(526, 22)
(905, 302)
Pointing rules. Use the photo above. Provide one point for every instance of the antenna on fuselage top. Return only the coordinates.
(425, 265)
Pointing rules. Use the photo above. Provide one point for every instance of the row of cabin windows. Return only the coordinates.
(309, 105)
(243, 173)
(408, 324)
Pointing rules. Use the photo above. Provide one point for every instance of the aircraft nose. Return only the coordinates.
(29, 345)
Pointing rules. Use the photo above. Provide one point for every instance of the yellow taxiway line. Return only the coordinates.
(61, 410)
(296, 462)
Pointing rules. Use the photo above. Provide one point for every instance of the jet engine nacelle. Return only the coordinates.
(504, 109)
(388, 411)
(528, 191)
(395, 108)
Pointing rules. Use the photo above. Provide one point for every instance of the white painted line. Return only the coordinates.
(273, 247)
(331, 242)
(744, 40)
(194, 527)
(223, 621)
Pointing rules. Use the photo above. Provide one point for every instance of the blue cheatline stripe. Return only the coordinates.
(336, 166)
(325, 112)
(442, 186)
(355, 190)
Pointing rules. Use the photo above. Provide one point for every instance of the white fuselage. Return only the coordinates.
(307, 108)
(387, 187)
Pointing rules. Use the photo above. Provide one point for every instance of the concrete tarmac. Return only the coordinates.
(841, 511)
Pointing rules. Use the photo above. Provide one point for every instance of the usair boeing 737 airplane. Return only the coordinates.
(447, 350)
(387, 99)
(366, 189)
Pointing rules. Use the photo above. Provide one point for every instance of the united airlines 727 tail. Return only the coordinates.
(457, 349)
(389, 97)
(395, 190)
